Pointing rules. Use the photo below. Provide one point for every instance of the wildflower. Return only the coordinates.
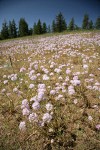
(60, 78)
(31, 86)
(40, 95)
(8, 94)
(67, 78)
(38, 74)
(75, 101)
(33, 77)
(50, 130)
(5, 81)
(33, 99)
(22, 126)
(71, 90)
(52, 141)
(22, 69)
(14, 77)
(75, 82)
(68, 71)
(47, 117)
(85, 66)
(25, 112)
(4, 76)
(35, 66)
(57, 70)
(33, 117)
(89, 87)
(98, 126)
(90, 118)
(31, 73)
(15, 89)
(25, 104)
(41, 86)
(51, 74)
(49, 107)
(36, 105)
(45, 77)
(95, 87)
(52, 92)
(3, 90)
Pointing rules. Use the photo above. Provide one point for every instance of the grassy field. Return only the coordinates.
(50, 92)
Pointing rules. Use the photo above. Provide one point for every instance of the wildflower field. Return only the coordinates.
(50, 92)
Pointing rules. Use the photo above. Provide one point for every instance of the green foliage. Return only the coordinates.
(34, 28)
(44, 28)
(4, 31)
(30, 31)
(97, 24)
(48, 29)
(90, 25)
(85, 23)
(12, 30)
(23, 27)
(71, 24)
(60, 23)
(53, 26)
(37, 28)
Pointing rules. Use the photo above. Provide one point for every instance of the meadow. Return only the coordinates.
(50, 92)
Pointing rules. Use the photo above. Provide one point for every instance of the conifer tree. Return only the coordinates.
(39, 27)
(72, 24)
(14, 29)
(23, 27)
(4, 30)
(49, 29)
(10, 30)
(85, 23)
(53, 26)
(44, 28)
(97, 24)
(30, 31)
(35, 28)
(90, 24)
(60, 23)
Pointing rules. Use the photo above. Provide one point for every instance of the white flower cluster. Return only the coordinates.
(71, 90)
(13, 77)
(22, 69)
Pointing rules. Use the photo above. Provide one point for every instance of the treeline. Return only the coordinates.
(11, 30)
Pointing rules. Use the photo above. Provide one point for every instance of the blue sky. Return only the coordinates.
(46, 10)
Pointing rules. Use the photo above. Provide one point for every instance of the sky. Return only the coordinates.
(46, 10)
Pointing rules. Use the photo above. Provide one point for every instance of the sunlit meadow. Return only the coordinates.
(50, 92)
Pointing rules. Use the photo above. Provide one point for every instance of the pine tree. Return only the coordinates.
(4, 30)
(44, 28)
(90, 24)
(39, 27)
(35, 28)
(14, 29)
(71, 24)
(30, 31)
(10, 30)
(60, 23)
(23, 27)
(76, 27)
(85, 23)
(97, 24)
(53, 26)
(49, 29)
